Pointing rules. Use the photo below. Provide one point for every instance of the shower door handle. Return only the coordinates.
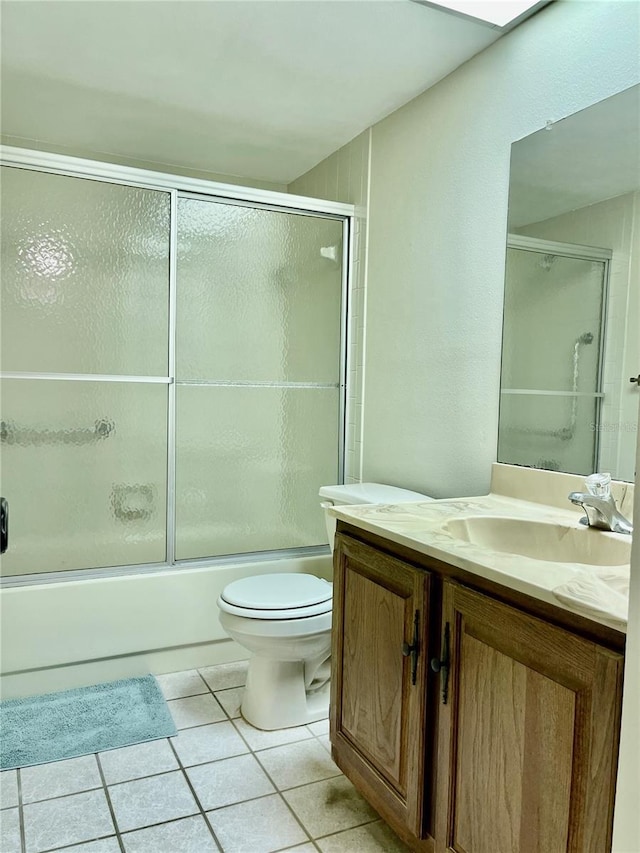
(4, 525)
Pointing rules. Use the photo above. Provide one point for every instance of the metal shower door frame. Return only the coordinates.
(177, 187)
(582, 253)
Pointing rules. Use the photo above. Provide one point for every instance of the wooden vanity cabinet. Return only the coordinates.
(528, 740)
(510, 748)
(381, 628)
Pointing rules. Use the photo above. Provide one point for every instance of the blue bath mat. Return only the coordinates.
(76, 722)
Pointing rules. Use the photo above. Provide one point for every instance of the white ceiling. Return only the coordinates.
(264, 89)
(588, 157)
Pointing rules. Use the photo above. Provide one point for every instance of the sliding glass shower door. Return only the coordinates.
(258, 376)
(171, 374)
(551, 360)
(85, 296)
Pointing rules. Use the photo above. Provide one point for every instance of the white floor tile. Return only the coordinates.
(259, 826)
(373, 838)
(8, 789)
(195, 711)
(134, 762)
(60, 778)
(319, 728)
(302, 848)
(67, 820)
(230, 700)
(326, 743)
(175, 685)
(10, 831)
(258, 739)
(329, 806)
(104, 845)
(208, 743)
(190, 835)
(230, 781)
(297, 763)
(148, 801)
(226, 675)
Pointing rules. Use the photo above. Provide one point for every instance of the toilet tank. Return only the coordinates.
(362, 493)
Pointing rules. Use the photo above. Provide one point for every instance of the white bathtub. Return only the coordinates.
(70, 633)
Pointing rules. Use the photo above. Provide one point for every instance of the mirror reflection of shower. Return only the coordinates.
(584, 340)
(551, 396)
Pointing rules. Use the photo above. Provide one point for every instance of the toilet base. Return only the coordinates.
(283, 694)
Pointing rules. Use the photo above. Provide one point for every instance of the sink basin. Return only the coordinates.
(541, 540)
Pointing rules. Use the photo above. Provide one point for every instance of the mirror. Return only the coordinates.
(571, 333)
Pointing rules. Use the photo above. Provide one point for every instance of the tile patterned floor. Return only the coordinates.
(219, 785)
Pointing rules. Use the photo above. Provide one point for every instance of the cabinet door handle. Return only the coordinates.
(4, 525)
(413, 650)
(442, 665)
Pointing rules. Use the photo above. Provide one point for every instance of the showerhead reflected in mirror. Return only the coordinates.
(571, 335)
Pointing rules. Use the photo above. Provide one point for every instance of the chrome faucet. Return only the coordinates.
(602, 512)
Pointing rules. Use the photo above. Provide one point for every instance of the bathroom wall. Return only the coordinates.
(344, 176)
(437, 222)
(613, 224)
(106, 157)
(437, 227)
(436, 231)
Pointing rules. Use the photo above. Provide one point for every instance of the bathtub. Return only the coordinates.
(83, 631)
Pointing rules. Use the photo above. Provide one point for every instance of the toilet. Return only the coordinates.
(284, 620)
(362, 493)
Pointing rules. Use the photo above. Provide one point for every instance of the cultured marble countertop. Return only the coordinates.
(419, 526)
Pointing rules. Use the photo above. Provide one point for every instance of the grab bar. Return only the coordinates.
(24, 436)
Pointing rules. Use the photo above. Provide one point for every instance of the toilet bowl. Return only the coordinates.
(284, 620)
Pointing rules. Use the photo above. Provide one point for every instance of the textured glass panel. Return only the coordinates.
(85, 276)
(249, 465)
(551, 342)
(552, 322)
(552, 432)
(84, 472)
(258, 294)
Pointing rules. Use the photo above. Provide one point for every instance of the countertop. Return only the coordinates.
(419, 526)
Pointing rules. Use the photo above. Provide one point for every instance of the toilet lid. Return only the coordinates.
(277, 596)
(278, 592)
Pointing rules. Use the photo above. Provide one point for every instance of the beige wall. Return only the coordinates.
(344, 176)
(438, 191)
(437, 224)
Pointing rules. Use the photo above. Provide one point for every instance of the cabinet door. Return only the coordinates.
(528, 739)
(379, 699)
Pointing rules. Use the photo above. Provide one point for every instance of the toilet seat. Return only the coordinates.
(277, 596)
